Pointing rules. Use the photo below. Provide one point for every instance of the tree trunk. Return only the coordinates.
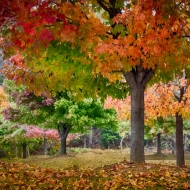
(63, 130)
(159, 148)
(90, 138)
(137, 125)
(28, 150)
(24, 151)
(174, 144)
(45, 146)
(85, 140)
(137, 79)
(185, 143)
(180, 160)
(108, 145)
(16, 152)
(63, 149)
(121, 144)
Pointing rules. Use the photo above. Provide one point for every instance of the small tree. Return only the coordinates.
(158, 127)
(51, 134)
(23, 135)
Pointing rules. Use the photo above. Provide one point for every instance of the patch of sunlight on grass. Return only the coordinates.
(94, 158)
(91, 159)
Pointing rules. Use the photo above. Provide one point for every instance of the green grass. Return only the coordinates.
(87, 158)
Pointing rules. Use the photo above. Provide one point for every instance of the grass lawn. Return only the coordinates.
(94, 169)
(95, 158)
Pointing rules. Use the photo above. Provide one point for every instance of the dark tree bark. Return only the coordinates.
(24, 151)
(180, 160)
(63, 130)
(137, 79)
(159, 148)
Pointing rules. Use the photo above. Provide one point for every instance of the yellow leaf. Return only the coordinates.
(167, 174)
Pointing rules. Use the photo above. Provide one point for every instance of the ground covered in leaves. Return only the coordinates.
(122, 175)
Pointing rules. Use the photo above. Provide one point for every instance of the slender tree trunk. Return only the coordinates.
(173, 146)
(24, 150)
(137, 79)
(90, 138)
(28, 150)
(180, 160)
(63, 130)
(16, 151)
(159, 148)
(45, 146)
(85, 139)
(185, 143)
(108, 146)
(121, 144)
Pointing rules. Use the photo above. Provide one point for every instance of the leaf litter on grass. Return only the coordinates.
(122, 175)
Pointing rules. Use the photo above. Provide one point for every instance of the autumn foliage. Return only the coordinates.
(3, 99)
(140, 35)
(122, 107)
(161, 101)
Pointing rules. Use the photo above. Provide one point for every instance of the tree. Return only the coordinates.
(133, 40)
(172, 99)
(23, 135)
(79, 117)
(51, 134)
(156, 127)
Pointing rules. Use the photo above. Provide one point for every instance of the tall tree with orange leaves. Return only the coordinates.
(171, 100)
(129, 40)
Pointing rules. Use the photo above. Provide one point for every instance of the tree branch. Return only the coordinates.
(111, 10)
(100, 2)
(148, 75)
(138, 75)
